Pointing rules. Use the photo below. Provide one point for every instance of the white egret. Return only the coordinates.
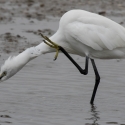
(82, 33)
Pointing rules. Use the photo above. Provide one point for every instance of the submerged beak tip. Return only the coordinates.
(54, 59)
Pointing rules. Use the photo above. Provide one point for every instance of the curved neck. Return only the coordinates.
(23, 58)
(43, 48)
(33, 52)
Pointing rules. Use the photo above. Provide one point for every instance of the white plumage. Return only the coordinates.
(81, 33)
(92, 34)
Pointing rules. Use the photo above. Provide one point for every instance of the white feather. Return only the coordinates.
(80, 32)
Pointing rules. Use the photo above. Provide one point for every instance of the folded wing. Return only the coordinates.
(97, 33)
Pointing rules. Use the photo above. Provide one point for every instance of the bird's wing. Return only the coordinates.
(97, 35)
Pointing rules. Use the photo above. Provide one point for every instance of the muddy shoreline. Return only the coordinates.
(16, 13)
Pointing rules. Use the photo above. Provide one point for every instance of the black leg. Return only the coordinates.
(97, 80)
(85, 71)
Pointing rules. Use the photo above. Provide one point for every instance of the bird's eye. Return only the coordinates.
(4, 73)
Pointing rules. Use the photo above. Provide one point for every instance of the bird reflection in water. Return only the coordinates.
(94, 116)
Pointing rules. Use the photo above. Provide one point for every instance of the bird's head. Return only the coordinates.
(8, 69)
(14, 64)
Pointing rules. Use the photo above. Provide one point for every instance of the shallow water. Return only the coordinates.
(55, 93)
(47, 92)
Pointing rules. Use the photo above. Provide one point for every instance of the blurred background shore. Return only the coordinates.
(29, 12)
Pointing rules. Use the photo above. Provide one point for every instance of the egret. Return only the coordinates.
(81, 33)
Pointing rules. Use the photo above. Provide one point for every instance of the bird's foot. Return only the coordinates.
(51, 44)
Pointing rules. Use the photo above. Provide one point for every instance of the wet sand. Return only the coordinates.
(47, 92)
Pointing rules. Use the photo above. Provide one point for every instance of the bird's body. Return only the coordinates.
(82, 33)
